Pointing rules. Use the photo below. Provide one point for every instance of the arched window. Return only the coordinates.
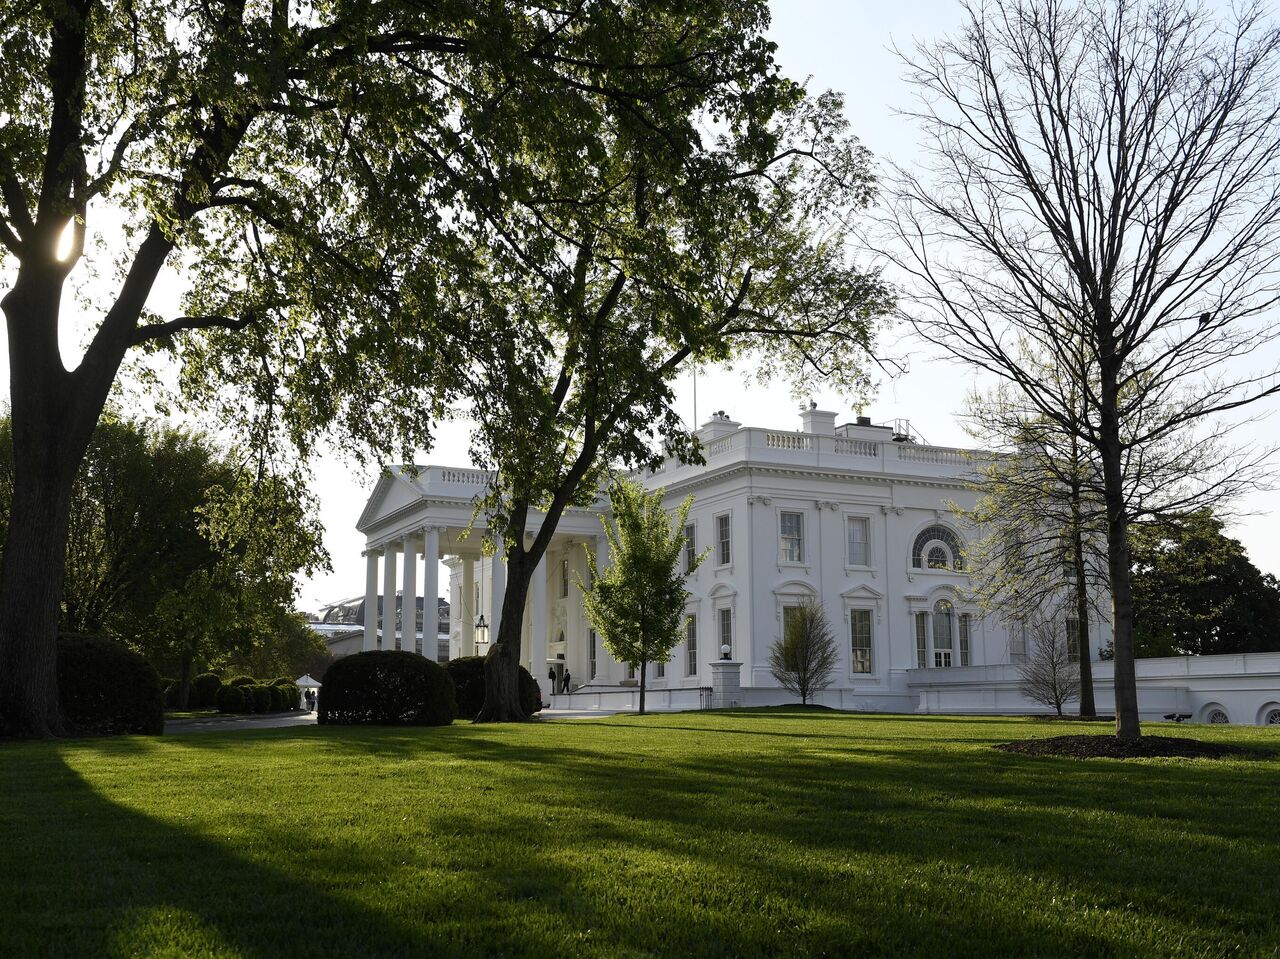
(943, 631)
(937, 547)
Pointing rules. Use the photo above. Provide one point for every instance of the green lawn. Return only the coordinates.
(749, 833)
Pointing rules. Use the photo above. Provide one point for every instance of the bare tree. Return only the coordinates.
(804, 660)
(1103, 195)
(1038, 525)
(1049, 676)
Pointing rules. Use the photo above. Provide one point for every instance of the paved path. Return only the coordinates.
(231, 724)
(579, 713)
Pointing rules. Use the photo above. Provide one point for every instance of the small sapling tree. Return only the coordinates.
(1049, 677)
(804, 660)
(637, 602)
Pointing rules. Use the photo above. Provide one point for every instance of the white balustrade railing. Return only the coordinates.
(788, 441)
(857, 447)
(931, 454)
(466, 477)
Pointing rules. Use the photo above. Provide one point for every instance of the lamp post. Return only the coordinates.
(725, 651)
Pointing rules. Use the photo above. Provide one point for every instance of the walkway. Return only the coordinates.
(238, 723)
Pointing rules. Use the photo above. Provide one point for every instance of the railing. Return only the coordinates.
(722, 445)
(466, 477)
(857, 447)
(931, 454)
(788, 441)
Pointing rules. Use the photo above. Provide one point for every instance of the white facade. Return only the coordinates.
(856, 518)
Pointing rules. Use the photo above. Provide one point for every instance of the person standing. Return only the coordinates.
(565, 687)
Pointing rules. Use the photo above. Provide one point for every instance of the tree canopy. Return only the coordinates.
(1196, 592)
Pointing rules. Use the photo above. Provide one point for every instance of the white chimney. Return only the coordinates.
(719, 425)
(818, 422)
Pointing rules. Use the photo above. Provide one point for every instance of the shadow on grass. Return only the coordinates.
(598, 839)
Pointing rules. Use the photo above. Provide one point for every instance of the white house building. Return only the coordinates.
(856, 517)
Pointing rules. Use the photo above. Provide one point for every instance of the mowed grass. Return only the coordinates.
(747, 833)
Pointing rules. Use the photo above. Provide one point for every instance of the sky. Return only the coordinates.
(844, 46)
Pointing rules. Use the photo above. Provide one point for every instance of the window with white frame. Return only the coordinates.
(690, 548)
(724, 545)
(942, 633)
(791, 536)
(564, 578)
(860, 633)
(1073, 639)
(591, 655)
(726, 627)
(964, 639)
(691, 645)
(922, 640)
(1018, 643)
(789, 614)
(858, 528)
(659, 670)
(937, 547)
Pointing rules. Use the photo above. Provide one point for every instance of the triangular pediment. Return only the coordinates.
(862, 591)
(395, 489)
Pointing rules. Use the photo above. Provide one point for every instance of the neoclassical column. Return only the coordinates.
(430, 586)
(498, 579)
(409, 598)
(608, 669)
(389, 596)
(538, 627)
(370, 601)
(468, 601)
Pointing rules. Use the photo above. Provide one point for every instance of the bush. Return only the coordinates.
(387, 687)
(467, 673)
(279, 698)
(292, 695)
(242, 681)
(282, 681)
(260, 696)
(230, 699)
(171, 687)
(204, 690)
(107, 689)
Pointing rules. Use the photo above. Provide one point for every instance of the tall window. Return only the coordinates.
(564, 578)
(1018, 643)
(860, 630)
(964, 639)
(942, 642)
(690, 548)
(726, 628)
(724, 552)
(691, 646)
(937, 547)
(788, 613)
(659, 670)
(591, 655)
(859, 547)
(922, 640)
(792, 536)
(1073, 639)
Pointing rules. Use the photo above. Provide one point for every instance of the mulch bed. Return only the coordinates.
(1109, 747)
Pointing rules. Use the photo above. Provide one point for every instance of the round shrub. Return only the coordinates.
(230, 699)
(260, 696)
(389, 688)
(292, 696)
(279, 698)
(468, 679)
(282, 681)
(106, 689)
(242, 681)
(204, 689)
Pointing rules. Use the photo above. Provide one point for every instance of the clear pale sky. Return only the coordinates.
(842, 46)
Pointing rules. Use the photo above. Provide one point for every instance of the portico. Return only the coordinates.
(429, 512)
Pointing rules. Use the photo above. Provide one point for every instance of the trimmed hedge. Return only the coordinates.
(230, 699)
(389, 688)
(468, 679)
(242, 681)
(261, 698)
(106, 689)
(204, 690)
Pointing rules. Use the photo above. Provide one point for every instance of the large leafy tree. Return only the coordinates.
(723, 236)
(1196, 592)
(295, 163)
(637, 602)
(184, 552)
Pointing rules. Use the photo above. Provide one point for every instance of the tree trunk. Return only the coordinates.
(1088, 708)
(1118, 563)
(52, 422)
(644, 668)
(502, 664)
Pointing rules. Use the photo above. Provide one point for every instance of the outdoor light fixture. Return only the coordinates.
(725, 651)
(480, 623)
